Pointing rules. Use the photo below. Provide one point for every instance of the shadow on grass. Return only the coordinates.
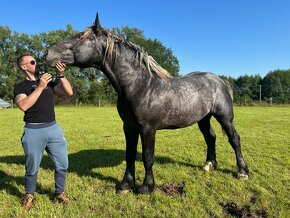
(83, 163)
(7, 183)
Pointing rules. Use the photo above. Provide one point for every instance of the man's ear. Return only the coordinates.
(23, 67)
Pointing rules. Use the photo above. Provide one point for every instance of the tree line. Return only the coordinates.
(273, 88)
(92, 87)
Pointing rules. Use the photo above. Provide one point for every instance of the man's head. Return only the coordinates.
(27, 63)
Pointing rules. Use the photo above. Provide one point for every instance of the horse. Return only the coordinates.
(150, 99)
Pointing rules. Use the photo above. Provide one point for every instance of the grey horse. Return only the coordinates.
(149, 99)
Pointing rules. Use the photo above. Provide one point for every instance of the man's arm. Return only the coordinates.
(64, 88)
(25, 102)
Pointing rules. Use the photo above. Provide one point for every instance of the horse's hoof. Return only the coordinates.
(243, 176)
(208, 166)
(124, 188)
(123, 192)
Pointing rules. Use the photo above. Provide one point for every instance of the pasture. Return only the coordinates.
(97, 162)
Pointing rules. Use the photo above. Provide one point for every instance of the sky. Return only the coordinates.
(226, 37)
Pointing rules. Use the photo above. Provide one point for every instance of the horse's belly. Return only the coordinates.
(183, 117)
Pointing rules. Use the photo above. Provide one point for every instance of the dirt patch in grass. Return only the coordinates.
(171, 189)
(245, 211)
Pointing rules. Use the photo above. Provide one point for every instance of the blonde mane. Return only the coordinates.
(151, 65)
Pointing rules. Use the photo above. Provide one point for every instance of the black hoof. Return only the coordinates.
(144, 189)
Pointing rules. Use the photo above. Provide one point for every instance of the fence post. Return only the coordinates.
(260, 93)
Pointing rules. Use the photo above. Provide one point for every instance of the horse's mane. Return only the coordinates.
(151, 64)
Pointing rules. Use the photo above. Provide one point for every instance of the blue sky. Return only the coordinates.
(226, 37)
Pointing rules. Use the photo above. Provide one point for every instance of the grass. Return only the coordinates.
(97, 152)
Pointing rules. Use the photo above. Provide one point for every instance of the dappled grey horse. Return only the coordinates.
(149, 99)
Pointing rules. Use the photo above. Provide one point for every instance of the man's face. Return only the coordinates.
(28, 64)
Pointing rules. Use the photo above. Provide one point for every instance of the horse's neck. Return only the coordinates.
(112, 78)
(127, 77)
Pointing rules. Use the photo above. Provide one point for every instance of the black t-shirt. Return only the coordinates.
(43, 109)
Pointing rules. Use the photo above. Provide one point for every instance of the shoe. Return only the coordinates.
(27, 202)
(62, 198)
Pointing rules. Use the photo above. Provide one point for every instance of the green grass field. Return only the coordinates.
(97, 153)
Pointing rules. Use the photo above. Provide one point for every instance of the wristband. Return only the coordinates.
(60, 76)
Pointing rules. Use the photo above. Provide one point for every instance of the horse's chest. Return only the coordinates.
(126, 112)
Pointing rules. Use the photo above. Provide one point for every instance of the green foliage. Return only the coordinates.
(55, 36)
(96, 146)
(275, 85)
(8, 54)
(248, 85)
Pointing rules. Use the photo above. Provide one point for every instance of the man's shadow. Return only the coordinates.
(82, 163)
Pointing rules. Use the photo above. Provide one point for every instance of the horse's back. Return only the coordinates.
(221, 99)
(186, 100)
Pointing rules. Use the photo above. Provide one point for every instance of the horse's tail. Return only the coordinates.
(228, 85)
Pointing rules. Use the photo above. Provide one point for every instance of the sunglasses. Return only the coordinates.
(33, 62)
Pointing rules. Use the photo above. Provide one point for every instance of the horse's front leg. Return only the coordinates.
(148, 145)
(128, 182)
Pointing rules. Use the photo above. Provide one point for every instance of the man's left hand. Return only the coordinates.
(60, 67)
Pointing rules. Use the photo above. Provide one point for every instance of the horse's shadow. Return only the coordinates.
(82, 163)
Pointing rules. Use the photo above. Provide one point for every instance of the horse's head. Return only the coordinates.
(84, 49)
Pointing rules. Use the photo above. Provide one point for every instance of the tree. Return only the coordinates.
(247, 88)
(8, 69)
(276, 85)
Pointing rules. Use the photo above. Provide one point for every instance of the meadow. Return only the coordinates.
(97, 163)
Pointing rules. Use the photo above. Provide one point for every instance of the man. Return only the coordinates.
(35, 97)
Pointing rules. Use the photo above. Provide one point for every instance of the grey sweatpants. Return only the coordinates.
(36, 139)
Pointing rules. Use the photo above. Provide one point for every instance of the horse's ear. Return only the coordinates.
(97, 24)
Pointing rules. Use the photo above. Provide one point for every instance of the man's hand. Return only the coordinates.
(60, 67)
(64, 87)
(44, 80)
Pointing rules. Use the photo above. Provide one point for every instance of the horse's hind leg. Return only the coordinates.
(210, 138)
(234, 139)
